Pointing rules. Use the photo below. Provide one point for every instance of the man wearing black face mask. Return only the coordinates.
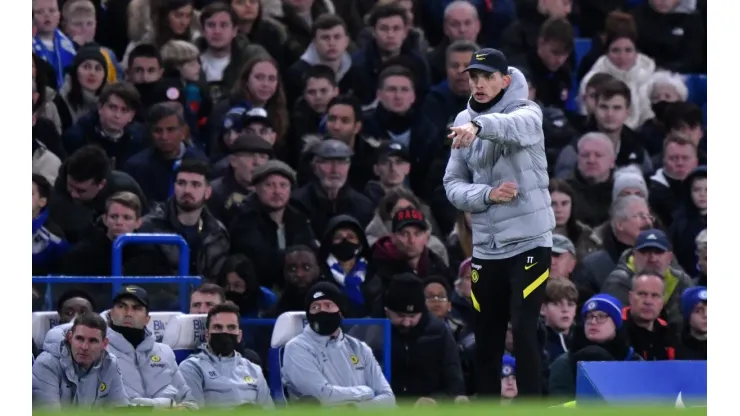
(148, 368)
(218, 375)
(343, 258)
(352, 377)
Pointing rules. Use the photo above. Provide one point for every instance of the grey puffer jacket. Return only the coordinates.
(510, 148)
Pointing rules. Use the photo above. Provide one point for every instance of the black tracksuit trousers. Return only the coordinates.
(509, 290)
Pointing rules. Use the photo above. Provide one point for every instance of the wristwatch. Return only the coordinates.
(476, 124)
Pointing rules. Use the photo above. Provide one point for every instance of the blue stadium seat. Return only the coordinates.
(158, 322)
(184, 333)
(287, 326)
(582, 47)
(41, 323)
(697, 85)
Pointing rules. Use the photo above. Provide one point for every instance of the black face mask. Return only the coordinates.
(324, 323)
(659, 109)
(344, 250)
(134, 336)
(223, 344)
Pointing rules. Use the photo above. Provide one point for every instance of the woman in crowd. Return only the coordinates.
(258, 85)
(158, 21)
(601, 338)
(82, 85)
(566, 224)
(624, 62)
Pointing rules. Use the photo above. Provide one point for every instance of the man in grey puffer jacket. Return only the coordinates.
(150, 373)
(501, 179)
(77, 371)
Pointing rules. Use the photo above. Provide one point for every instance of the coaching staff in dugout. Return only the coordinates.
(79, 371)
(326, 364)
(497, 171)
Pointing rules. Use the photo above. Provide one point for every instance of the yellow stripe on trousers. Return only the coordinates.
(527, 290)
(537, 282)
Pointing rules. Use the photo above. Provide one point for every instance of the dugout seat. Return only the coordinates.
(158, 323)
(287, 326)
(41, 323)
(184, 333)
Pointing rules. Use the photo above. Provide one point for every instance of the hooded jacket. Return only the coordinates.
(619, 283)
(225, 381)
(510, 147)
(351, 283)
(148, 371)
(352, 375)
(59, 382)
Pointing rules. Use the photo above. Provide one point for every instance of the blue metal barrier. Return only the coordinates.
(183, 268)
(117, 281)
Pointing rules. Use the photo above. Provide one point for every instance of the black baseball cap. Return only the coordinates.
(135, 292)
(407, 217)
(489, 60)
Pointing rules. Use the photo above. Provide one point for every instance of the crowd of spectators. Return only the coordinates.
(298, 142)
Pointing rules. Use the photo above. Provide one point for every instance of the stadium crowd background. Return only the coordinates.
(304, 141)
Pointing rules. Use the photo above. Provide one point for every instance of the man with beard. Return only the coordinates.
(186, 214)
(347, 373)
(218, 375)
(266, 224)
(330, 194)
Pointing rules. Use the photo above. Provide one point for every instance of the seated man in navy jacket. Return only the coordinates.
(154, 168)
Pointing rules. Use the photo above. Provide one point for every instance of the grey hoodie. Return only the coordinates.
(225, 381)
(510, 148)
(59, 382)
(149, 372)
(311, 57)
(334, 370)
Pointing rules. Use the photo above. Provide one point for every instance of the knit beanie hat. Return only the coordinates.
(508, 366)
(405, 294)
(89, 53)
(607, 304)
(626, 180)
(690, 298)
(324, 291)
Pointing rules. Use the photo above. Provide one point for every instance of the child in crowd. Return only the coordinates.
(79, 23)
(180, 60)
(693, 344)
(559, 311)
(508, 379)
